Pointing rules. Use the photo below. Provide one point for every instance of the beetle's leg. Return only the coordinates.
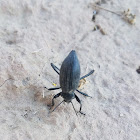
(87, 75)
(57, 106)
(78, 100)
(56, 96)
(52, 88)
(55, 68)
(83, 93)
(73, 108)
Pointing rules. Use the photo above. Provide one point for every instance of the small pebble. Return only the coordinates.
(121, 115)
(94, 14)
(138, 70)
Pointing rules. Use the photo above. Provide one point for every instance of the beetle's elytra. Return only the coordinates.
(69, 79)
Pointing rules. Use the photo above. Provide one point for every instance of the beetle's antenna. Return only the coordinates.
(57, 106)
(74, 108)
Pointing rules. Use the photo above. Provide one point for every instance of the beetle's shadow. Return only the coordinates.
(45, 100)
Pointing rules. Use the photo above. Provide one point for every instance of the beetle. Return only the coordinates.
(69, 80)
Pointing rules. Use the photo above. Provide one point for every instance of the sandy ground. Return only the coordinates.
(34, 34)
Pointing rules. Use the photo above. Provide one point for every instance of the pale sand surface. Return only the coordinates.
(35, 33)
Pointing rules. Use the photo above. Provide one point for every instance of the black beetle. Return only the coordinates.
(69, 79)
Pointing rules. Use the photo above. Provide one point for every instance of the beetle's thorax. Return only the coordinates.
(68, 96)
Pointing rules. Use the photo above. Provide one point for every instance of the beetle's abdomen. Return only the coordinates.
(70, 73)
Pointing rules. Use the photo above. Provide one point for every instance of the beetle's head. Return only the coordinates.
(67, 96)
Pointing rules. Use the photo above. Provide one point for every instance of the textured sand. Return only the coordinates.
(35, 33)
